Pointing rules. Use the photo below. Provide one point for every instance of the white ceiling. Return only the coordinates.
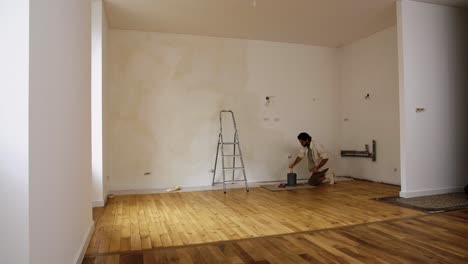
(331, 23)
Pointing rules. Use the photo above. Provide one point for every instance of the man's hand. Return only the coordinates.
(317, 168)
(295, 163)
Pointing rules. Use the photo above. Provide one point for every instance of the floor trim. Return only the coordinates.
(368, 180)
(84, 245)
(417, 193)
(100, 203)
(208, 188)
(192, 189)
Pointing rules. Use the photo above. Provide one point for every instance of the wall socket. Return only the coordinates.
(420, 109)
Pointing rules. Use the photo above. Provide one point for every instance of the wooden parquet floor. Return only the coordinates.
(142, 222)
(435, 238)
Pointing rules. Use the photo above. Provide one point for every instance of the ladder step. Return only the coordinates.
(230, 181)
(234, 168)
(236, 181)
(232, 155)
(230, 143)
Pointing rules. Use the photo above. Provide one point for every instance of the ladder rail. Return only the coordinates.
(243, 166)
(216, 161)
(234, 156)
(222, 162)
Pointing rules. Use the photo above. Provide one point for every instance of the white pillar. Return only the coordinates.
(14, 115)
(99, 27)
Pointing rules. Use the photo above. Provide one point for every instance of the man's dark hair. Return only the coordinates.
(304, 136)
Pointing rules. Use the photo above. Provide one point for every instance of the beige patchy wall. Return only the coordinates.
(165, 91)
(370, 65)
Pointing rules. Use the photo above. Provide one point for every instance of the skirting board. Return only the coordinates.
(136, 187)
(123, 191)
(99, 203)
(145, 188)
(377, 181)
(411, 194)
(84, 245)
(132, 190)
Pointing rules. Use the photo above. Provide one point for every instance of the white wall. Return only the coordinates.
(60, 130)
(166, 90)
(14, 176)
(99, 49)
(433, 75)
(105, 114)
(370, 66)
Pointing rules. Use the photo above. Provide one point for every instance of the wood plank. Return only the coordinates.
(138, 222)
(407, 240)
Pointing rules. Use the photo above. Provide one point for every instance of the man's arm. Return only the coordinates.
(295, 163)
(323, 157)
(317, 168)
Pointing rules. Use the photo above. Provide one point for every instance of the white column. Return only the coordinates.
(14, 167)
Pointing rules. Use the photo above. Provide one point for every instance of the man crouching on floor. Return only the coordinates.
(316, 159)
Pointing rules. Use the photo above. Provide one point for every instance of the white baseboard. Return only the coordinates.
(138, 188)
(100, 203)
(126, 187)
(417, 193)
(377, 181)
(84, 245)
(122, 190)
(145, 188)
(133, 189)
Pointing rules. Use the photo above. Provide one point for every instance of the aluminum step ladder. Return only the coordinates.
(236, 154)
